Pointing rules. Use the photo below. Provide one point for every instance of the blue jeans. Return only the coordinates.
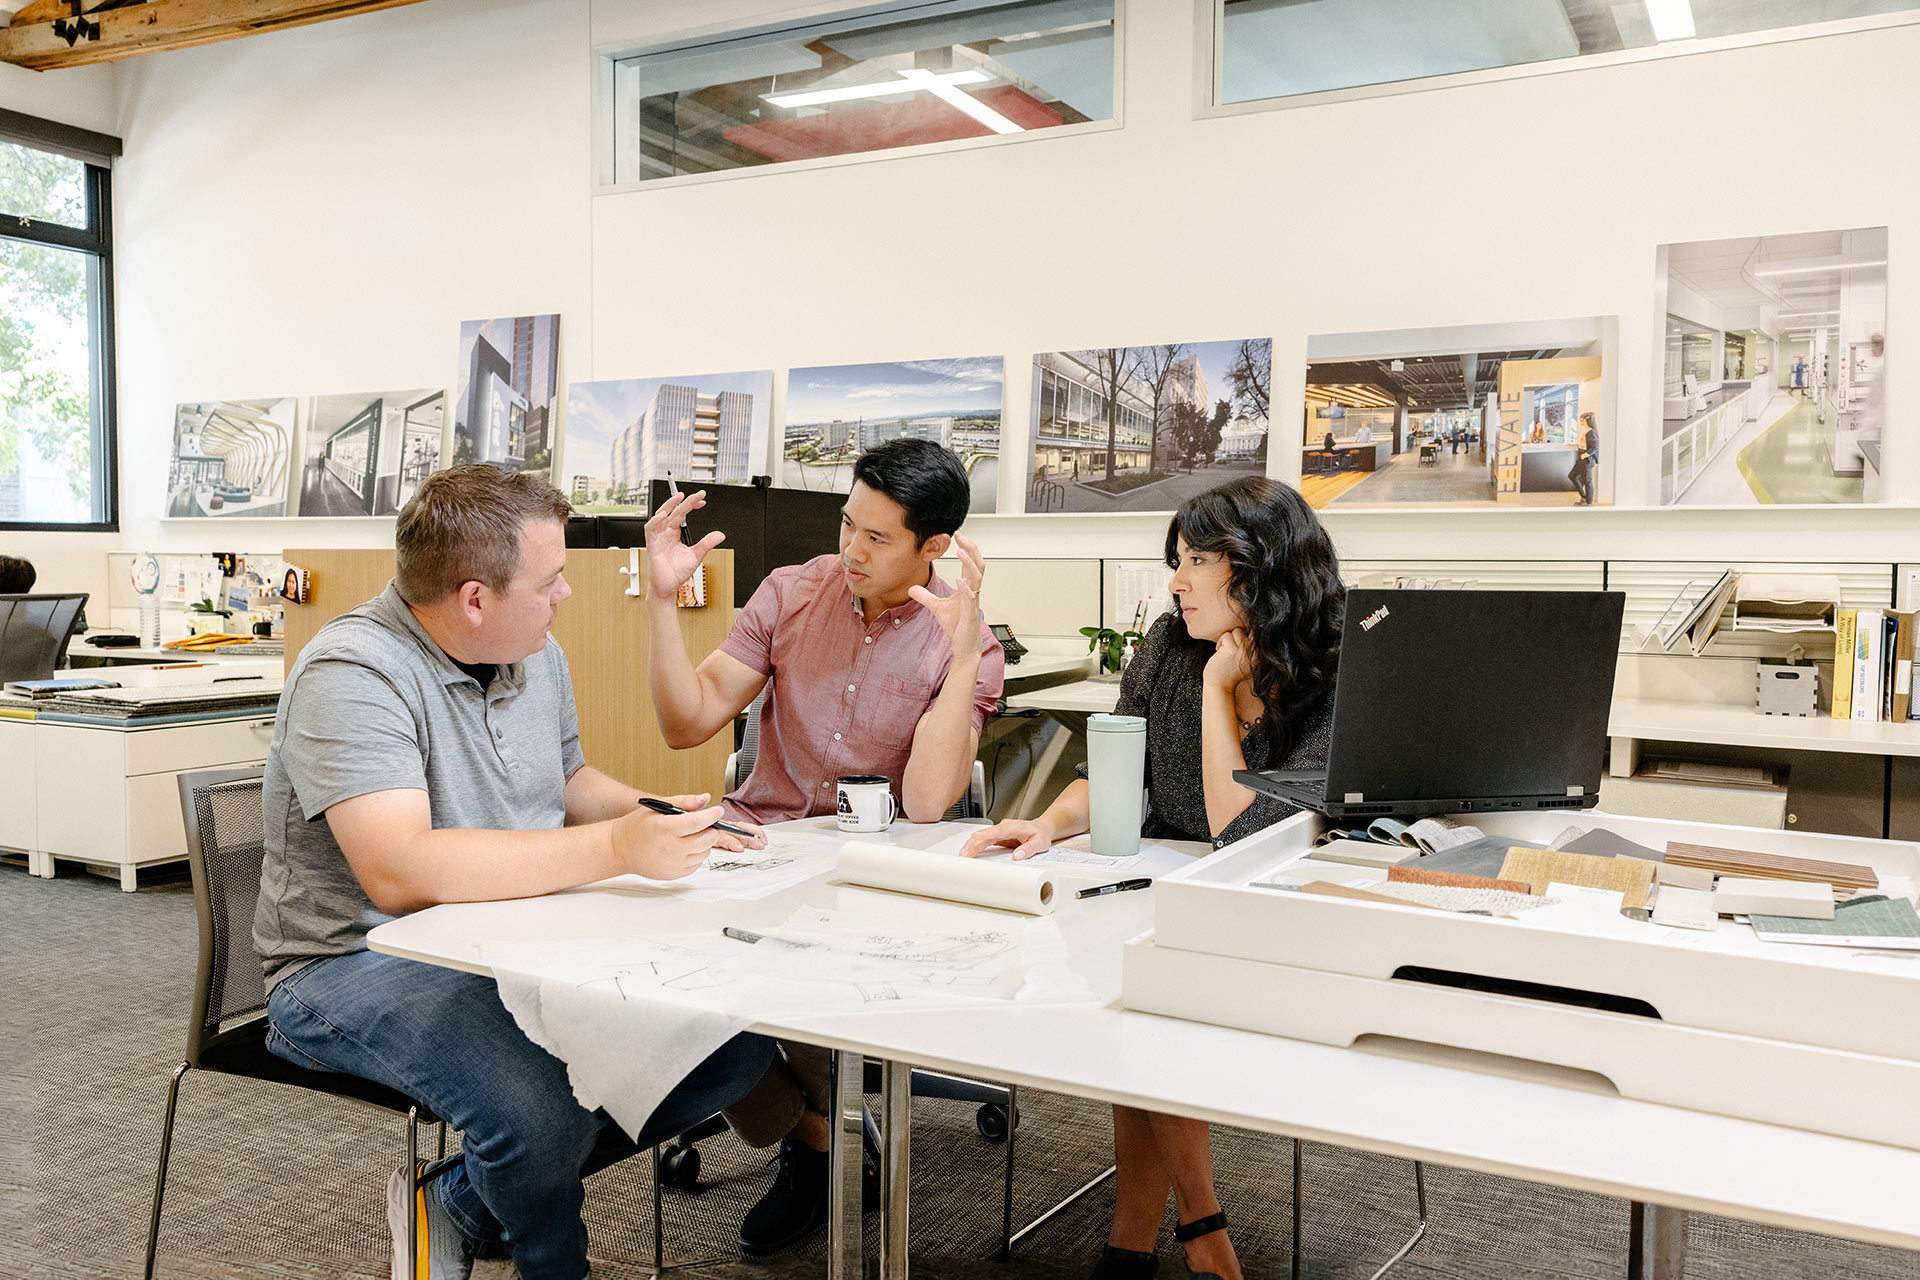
(443, 1037)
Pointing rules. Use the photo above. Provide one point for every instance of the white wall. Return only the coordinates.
(316, 211)
(86, 97)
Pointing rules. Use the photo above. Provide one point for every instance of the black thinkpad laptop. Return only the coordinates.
(1457, 701)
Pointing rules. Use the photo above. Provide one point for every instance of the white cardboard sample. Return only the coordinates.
(1800, 900)
(1685, 908)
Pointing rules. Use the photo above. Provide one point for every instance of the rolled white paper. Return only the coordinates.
(1006, 885)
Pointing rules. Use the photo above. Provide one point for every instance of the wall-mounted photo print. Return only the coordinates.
(230, 458)
(708, 428)
(366, 454)
(1485, 415)
(504, 404)
(835, 413)
(1770, 388)
(1145, 428)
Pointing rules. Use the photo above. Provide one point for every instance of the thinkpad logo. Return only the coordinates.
(1368, 623)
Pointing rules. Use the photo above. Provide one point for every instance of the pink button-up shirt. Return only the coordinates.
(844, 695)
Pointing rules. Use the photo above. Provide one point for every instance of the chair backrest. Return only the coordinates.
(750, 738)
(974, 803)
(34, 631)
(226, 843)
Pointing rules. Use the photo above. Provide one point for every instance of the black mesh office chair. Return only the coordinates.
(34, 633)
(228, 1033)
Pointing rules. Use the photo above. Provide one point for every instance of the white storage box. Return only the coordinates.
(1809, 1036)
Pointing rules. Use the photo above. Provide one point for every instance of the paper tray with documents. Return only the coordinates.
(1795, 1035)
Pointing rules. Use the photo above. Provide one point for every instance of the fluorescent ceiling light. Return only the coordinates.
(1671, 19)
(1830, 264)
(943, 87)
(1795, 315)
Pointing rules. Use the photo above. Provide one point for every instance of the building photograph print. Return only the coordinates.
(365, 455)
(1481, 415)
(1145, 428)
(835, 413)
(504, 401)
(1769, 388)
(709, 428)
(230, 458)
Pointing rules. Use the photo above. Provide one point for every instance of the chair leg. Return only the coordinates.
(413, 1199)
(442, 1153)
(160, 1178)
(1293, 1256)
(1420, 1198)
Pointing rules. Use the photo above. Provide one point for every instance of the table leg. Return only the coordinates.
(846, 1254)
(896, 1147)
(1656, 1242)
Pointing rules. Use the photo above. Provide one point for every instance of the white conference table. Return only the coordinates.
(1415, 1102)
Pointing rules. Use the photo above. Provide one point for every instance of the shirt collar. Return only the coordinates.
(389, 608)
(899, 612)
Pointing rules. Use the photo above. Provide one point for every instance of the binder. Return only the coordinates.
(1868, 642)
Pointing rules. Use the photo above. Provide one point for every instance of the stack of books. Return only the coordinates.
(1873, 665)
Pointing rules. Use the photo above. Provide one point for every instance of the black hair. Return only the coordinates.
(16, 576)
(924, 478)
(1286, 579)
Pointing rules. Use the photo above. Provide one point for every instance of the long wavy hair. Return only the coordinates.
(1286, 579)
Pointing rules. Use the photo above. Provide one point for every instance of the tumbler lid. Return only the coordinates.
(1101, 722)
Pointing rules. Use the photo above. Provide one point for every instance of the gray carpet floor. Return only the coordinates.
(277, 1184)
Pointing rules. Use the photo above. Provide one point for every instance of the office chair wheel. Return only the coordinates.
(991, 1120)
(680, 1168)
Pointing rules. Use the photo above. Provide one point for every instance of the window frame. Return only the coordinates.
(606, 99)
(96, 239)
(1209, 41)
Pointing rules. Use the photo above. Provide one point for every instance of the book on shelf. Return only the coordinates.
(1899, 664)
(1845, 625)
(1868, 642)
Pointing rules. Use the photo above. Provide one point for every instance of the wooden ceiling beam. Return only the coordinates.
(164, 24)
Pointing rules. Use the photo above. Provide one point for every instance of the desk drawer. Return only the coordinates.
(177, 748)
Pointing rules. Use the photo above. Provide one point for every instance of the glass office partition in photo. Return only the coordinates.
(869, 80)
(1276, 49)
(55, 327)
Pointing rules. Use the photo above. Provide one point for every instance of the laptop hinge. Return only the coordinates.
(1356, 797)
(1576, 791)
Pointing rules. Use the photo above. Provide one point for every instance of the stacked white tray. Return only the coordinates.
(1817, 1037)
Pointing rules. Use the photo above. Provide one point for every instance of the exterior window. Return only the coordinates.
(1285, 48)
(56, 325)
(904, 76)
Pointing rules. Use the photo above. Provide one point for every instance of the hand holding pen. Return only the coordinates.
(668, 838)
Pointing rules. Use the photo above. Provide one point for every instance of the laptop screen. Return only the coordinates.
(1472, 694)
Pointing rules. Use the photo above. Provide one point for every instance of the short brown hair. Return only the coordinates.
(464, 526)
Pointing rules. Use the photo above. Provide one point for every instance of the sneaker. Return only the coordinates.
(445, 1253)
(795, 1204)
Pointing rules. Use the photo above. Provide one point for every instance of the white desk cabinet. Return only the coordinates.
(17, 826)
(107, 795)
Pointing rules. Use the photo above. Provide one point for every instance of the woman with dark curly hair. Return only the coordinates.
(1240, 678)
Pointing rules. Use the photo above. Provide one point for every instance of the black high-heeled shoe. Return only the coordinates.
(1124, 1264)
(1193, 1231)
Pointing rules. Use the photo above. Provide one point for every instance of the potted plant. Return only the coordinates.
(1111, 645)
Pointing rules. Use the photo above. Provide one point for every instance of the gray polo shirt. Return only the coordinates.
(373, 704)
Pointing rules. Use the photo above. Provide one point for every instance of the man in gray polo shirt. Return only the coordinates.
(427, 751)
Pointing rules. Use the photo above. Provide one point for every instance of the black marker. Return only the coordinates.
(1120, 886)
(741, 935)
(661, 806)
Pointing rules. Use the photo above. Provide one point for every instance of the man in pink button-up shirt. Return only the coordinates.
(872, 665)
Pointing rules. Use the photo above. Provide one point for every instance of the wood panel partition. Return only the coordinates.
(604, 632)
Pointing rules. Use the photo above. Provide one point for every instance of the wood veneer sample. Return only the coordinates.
(1771, 866)
(1458, 880)
(1629, 877)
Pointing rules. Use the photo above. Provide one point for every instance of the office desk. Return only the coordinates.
(1379, 1101)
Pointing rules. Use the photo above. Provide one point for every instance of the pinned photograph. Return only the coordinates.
(709, 428)
(1146, 428)
(1480, 415)
(230, 458)
(367, 454)
(835, 413)
(1770, 389)
(504, 404)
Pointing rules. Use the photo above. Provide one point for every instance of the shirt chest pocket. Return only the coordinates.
(894, 713)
